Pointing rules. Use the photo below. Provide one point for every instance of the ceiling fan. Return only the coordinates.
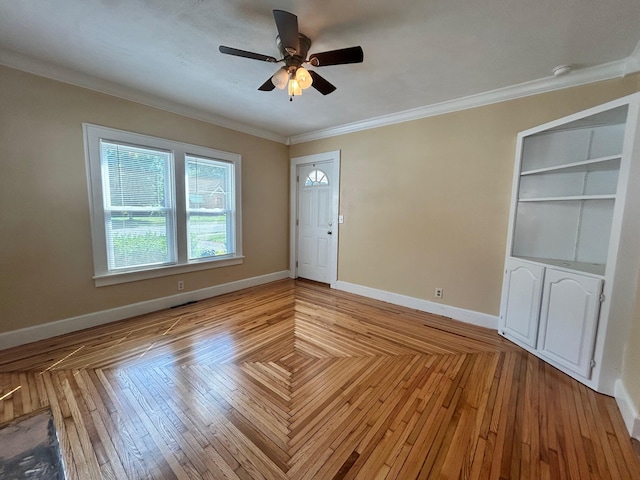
(293, 47)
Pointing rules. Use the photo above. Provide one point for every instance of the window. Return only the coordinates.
(160, 207)
(315, 178)
(138, 205)
(210, 212)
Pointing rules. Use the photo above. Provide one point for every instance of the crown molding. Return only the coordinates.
(549, 84)
(632, 64)
(584, 76)
(41, 68)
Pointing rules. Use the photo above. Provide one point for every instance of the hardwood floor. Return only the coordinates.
(293, 380)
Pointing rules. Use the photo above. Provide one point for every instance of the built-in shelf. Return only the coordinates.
(611, 162)
(572, 258)
(568, 198)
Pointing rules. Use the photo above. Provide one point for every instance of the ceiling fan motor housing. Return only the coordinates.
(297, 59)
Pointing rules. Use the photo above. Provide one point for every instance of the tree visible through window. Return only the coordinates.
(138, 207)
(209, 185)
(157, 203)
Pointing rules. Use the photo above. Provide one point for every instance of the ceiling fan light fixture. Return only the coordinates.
(280, 78)
(294, 88)
(303, 78)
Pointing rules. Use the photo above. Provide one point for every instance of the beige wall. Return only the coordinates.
(46, 261)
(426, 203)
(631, 363)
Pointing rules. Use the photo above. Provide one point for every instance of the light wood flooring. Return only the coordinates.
(293, 380)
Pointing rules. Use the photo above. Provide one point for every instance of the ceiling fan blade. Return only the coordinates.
(243, 53)
(267, 86)
(337, 57)
(287, 24)
(320, 84)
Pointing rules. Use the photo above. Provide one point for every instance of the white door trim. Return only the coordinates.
(333, 156)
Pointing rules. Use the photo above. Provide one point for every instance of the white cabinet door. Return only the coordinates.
(568, 319)
(521, 307)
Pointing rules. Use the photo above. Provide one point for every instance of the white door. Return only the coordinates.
(569, 319)
(316, 220)
(522, 293)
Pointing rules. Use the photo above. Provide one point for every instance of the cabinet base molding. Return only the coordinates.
(628, 410)
(460, 314)
(589, 382)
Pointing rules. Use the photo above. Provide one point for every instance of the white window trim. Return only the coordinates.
(92, 136)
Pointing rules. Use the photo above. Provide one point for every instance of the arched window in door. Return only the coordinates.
(316, 178)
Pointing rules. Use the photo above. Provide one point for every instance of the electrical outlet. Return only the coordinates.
(438, 293)
(180, 285)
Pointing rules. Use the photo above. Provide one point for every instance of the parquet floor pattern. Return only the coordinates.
(293, 380)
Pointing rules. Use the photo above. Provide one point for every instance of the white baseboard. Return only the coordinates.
(628, 409)
(467, 316)
(68, 325)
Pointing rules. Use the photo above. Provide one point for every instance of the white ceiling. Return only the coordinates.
(417, 53)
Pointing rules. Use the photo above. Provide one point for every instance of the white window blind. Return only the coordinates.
(138, 207)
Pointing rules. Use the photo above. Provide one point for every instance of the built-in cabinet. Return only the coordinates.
(573, 252)
(555, 312)
(568, 319)
(521, 300)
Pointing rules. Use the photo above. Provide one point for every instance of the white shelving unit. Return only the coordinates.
(573, 250)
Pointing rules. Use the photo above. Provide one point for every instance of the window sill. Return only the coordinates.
(163, 271)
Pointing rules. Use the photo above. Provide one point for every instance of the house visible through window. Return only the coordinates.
(210, 216)
(160, 207)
